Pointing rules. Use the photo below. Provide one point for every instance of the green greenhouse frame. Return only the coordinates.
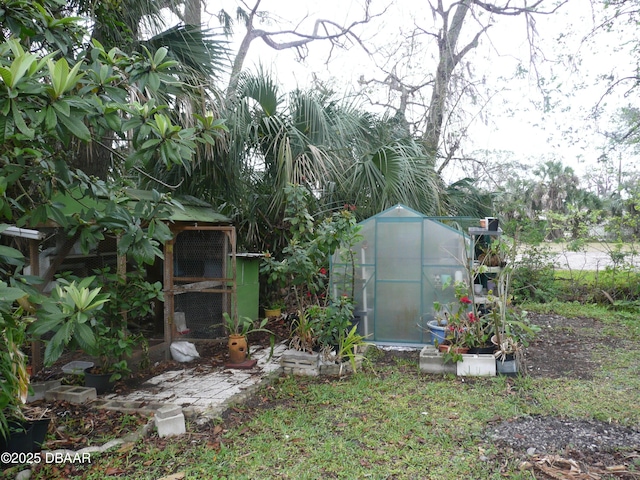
(398, 268)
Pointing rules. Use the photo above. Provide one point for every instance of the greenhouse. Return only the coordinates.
(401, 264)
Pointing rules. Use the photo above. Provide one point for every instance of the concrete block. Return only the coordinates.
(431, 361)
(300, 363)
(71, 393)
(335, 368)
(40, 388)
(167, 411)
(477, 365)
(170, 421)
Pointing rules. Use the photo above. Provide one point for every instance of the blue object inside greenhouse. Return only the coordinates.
(404, 263)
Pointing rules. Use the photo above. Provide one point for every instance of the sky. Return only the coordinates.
(514, 119)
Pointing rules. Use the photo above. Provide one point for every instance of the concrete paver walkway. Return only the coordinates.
(203, 388)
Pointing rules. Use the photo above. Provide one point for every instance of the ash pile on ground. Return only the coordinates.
(551, 435)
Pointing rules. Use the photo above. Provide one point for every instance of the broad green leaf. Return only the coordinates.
(150, 143)
(85, 337)
(10, 294)
(51, 120)
(19, 121)
(58, 72)
(7, 76)
(55, 347)
(154, 81)
(160, 55)
(63, 107)
(10, 252)
(113, 121)
(76, 126)
(47, 322)
(19, 67)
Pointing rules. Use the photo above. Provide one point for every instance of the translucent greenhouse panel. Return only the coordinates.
(398, 255)
(402, 263)
(397, 312)
(433, 289)
(399, 212)
(442, 245)
(367, 246)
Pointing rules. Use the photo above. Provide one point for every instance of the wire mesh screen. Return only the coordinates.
(200, 254)
(202, 313)
(202, 282)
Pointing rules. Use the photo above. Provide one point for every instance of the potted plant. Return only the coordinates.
(113, 346)
(239, 329)
(14, 386)
(460, 327)
(304, 330)
(70, 314)
(328, 334)
(508, 355)
(438, 325)
(17, 423)
(274, 309)
(91, 314)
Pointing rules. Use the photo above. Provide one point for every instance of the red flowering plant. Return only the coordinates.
(465, 327)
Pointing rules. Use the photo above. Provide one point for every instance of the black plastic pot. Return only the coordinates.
(99, 381)
(508, 367)
(20, 438)
(484, 350)
(39, 432)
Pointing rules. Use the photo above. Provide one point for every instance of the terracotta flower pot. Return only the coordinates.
(445, 348)
(237, 348)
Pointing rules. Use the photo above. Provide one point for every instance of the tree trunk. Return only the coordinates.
(447, 41)
(192, 12)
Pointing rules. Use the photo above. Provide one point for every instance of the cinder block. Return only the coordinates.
(40, 388)
(167, 411)
(300, 363)
(335, 369)
(301, 372)
(431, 361)
(170, 421)
(477, 365)
(71, 393)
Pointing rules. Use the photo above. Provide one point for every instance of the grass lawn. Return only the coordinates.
(387, 421)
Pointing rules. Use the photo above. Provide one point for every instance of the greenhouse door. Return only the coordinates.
(398, 286)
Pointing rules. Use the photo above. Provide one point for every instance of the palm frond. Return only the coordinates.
(198, 50)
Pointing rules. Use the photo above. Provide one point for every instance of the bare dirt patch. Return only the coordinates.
(565, 347)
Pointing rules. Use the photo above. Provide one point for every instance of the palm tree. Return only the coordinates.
(556, 186)
(339, 152)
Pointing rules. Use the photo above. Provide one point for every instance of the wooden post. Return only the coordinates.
(36, 345)
(167, 276)
(121, 270)
(234, 284)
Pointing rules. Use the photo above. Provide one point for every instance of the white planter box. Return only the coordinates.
(431, 361)
(476, 365)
